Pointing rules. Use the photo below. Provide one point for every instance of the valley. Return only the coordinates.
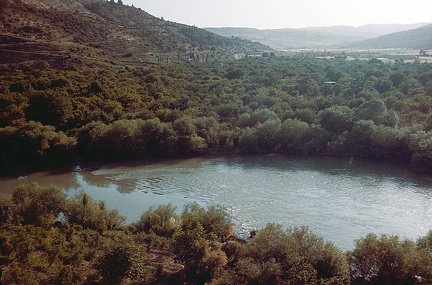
(122, 133)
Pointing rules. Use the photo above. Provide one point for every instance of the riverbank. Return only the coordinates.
(338, 198)
(90, 244)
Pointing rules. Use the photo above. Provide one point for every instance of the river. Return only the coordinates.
(341, 199)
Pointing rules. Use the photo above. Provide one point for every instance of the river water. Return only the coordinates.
(340, 199)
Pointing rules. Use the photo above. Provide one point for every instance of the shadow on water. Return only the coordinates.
(340, 198)
(63, 179)
(95, 180)
(330, 165)
(139, 175)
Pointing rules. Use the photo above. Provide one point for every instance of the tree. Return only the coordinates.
(234, 74)
(119, 141)
(214, 220)
(295, 256)
(38, 205)
(376, 111)
(336, 119)
(31, 144)
(160, 220)
(12, 108)
(384, 260)
(6, 210)
(397, 78)
(124, 259)
(305, 114)
(292, 136)
(258, 116)
(359, 139)
(189, 241)
(383, 85)
(421, 146)
(84, 211)
(203, 260)
(50, 107)
(424, 258)
(370, 110)
(333, 73)
(188, 140)
(95, 88)
(158, 138)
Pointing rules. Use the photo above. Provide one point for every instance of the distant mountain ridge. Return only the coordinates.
(42, 29)
(370, 30)
(110, 27)
(420, 38)
(314, 37)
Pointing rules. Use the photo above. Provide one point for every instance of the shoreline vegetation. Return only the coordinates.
(297, 104)
(47, 238)
(100, 82)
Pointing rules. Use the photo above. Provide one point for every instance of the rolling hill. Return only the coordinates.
(420, 38)
(50, 29)
(313, 37)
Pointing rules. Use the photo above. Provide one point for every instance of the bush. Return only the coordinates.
(33, 144)
(202, 260)
(292, 136)
(122, 260)
(275, 256)
(6, 209)
(38, 205)
(214, 220)
(92, 215)
(385, 260)
(160, 220)
(336, 119)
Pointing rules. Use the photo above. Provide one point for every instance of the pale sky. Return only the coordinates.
(271, 14)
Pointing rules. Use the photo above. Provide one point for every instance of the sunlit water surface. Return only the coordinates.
(340, 199)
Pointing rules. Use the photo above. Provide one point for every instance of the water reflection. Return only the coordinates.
(66, 180)
(339, 198)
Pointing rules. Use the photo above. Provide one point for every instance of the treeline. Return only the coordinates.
(298, 104)
(47, 238)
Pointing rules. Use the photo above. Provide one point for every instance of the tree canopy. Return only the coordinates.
(296, 104)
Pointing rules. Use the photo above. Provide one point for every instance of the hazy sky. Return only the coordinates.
(287, 14)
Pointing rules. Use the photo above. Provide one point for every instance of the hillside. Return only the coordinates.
(368, 31)
(313, 37)
(285, 39)
(420, 38)
(31, 29)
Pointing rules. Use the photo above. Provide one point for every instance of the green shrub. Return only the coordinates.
(82, 210)
(38, 205)
(294, 256)
(160, 220)
(122, 260)
(214, 220)
(385, 260)
(6, 209)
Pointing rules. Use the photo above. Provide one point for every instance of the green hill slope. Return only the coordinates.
(420, 38)
(313, 37)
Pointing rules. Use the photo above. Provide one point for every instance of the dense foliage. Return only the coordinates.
(298, 104)
(47, 238)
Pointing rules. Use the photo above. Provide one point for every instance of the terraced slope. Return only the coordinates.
(113, 29)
